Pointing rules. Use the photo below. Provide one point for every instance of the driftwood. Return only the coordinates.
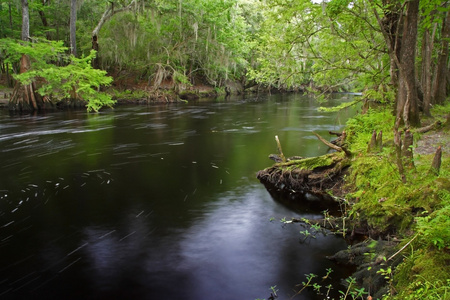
(333, 146)
(314, 175)
(280, 151)
(340, 141)
(435, 125)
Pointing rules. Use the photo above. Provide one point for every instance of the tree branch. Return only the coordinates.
(337, 148)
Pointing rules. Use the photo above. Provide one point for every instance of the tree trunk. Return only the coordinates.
(73, 28)
(109, 12)
(407, 97)
(427, 50)
(24, 97)
(440, 87)
(10, 16)
(25, 21)
(44, 21)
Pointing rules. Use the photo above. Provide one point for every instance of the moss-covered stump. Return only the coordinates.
(315, 175)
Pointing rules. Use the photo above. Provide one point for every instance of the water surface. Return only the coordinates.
(157, 202)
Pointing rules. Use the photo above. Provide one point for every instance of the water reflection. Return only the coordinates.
(154, 202)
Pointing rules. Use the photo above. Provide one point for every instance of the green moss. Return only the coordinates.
(424, 274)
(312, 163)
(420, 206)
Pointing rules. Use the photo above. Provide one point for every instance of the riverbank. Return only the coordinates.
(403, 219)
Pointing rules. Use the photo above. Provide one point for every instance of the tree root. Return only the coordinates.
(316, 175)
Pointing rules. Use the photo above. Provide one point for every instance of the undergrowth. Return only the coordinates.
(387, 206)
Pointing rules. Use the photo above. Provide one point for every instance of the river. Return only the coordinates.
(158, 202)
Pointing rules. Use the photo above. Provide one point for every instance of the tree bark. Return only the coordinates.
(25, 21)
(407, 97)
(427, 50)
(73, 27)
(24, 97)
(436, 164)
(109, 12)
(407, 152)
(440, 87)
(400, 33)
(398, 152)
(44, 21)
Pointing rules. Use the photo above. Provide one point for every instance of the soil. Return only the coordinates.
(430, 141)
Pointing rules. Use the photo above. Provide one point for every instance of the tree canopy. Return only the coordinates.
(393, 51)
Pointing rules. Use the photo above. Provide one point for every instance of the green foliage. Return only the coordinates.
(333, 44)
(187, 39)
(351, 292)
(340, 106)
(435, 228)
(386, 204)
(75, 79)
(424, 274)
(360, 128)
(381, 197)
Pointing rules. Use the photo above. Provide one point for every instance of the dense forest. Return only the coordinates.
(394, 52)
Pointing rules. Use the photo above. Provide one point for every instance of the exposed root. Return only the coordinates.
(316, 175)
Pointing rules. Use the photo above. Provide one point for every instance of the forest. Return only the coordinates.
(95, 53)
(373, 47)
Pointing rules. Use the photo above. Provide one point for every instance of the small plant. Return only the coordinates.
(327, 218)
(317, 288)
(309, 278)
(329, 271)
(274, 290)
(329, 288)
(273, 294)
(307, 234)
(353, 293)
(316, 227)
(284, 221)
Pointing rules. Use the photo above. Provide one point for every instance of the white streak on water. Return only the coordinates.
(7, 224)
(106, 234)
(84, 245)
(7, 238)
(127, 236)
(62, 270)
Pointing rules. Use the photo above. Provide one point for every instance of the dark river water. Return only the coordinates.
(158, 202)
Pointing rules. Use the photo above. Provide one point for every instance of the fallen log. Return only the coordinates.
(425, 129)
(299, 177)
(314, 175)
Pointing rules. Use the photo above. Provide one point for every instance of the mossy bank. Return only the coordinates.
(402, 216)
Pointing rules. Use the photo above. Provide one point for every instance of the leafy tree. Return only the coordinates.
(75, 79)
(177, 40)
